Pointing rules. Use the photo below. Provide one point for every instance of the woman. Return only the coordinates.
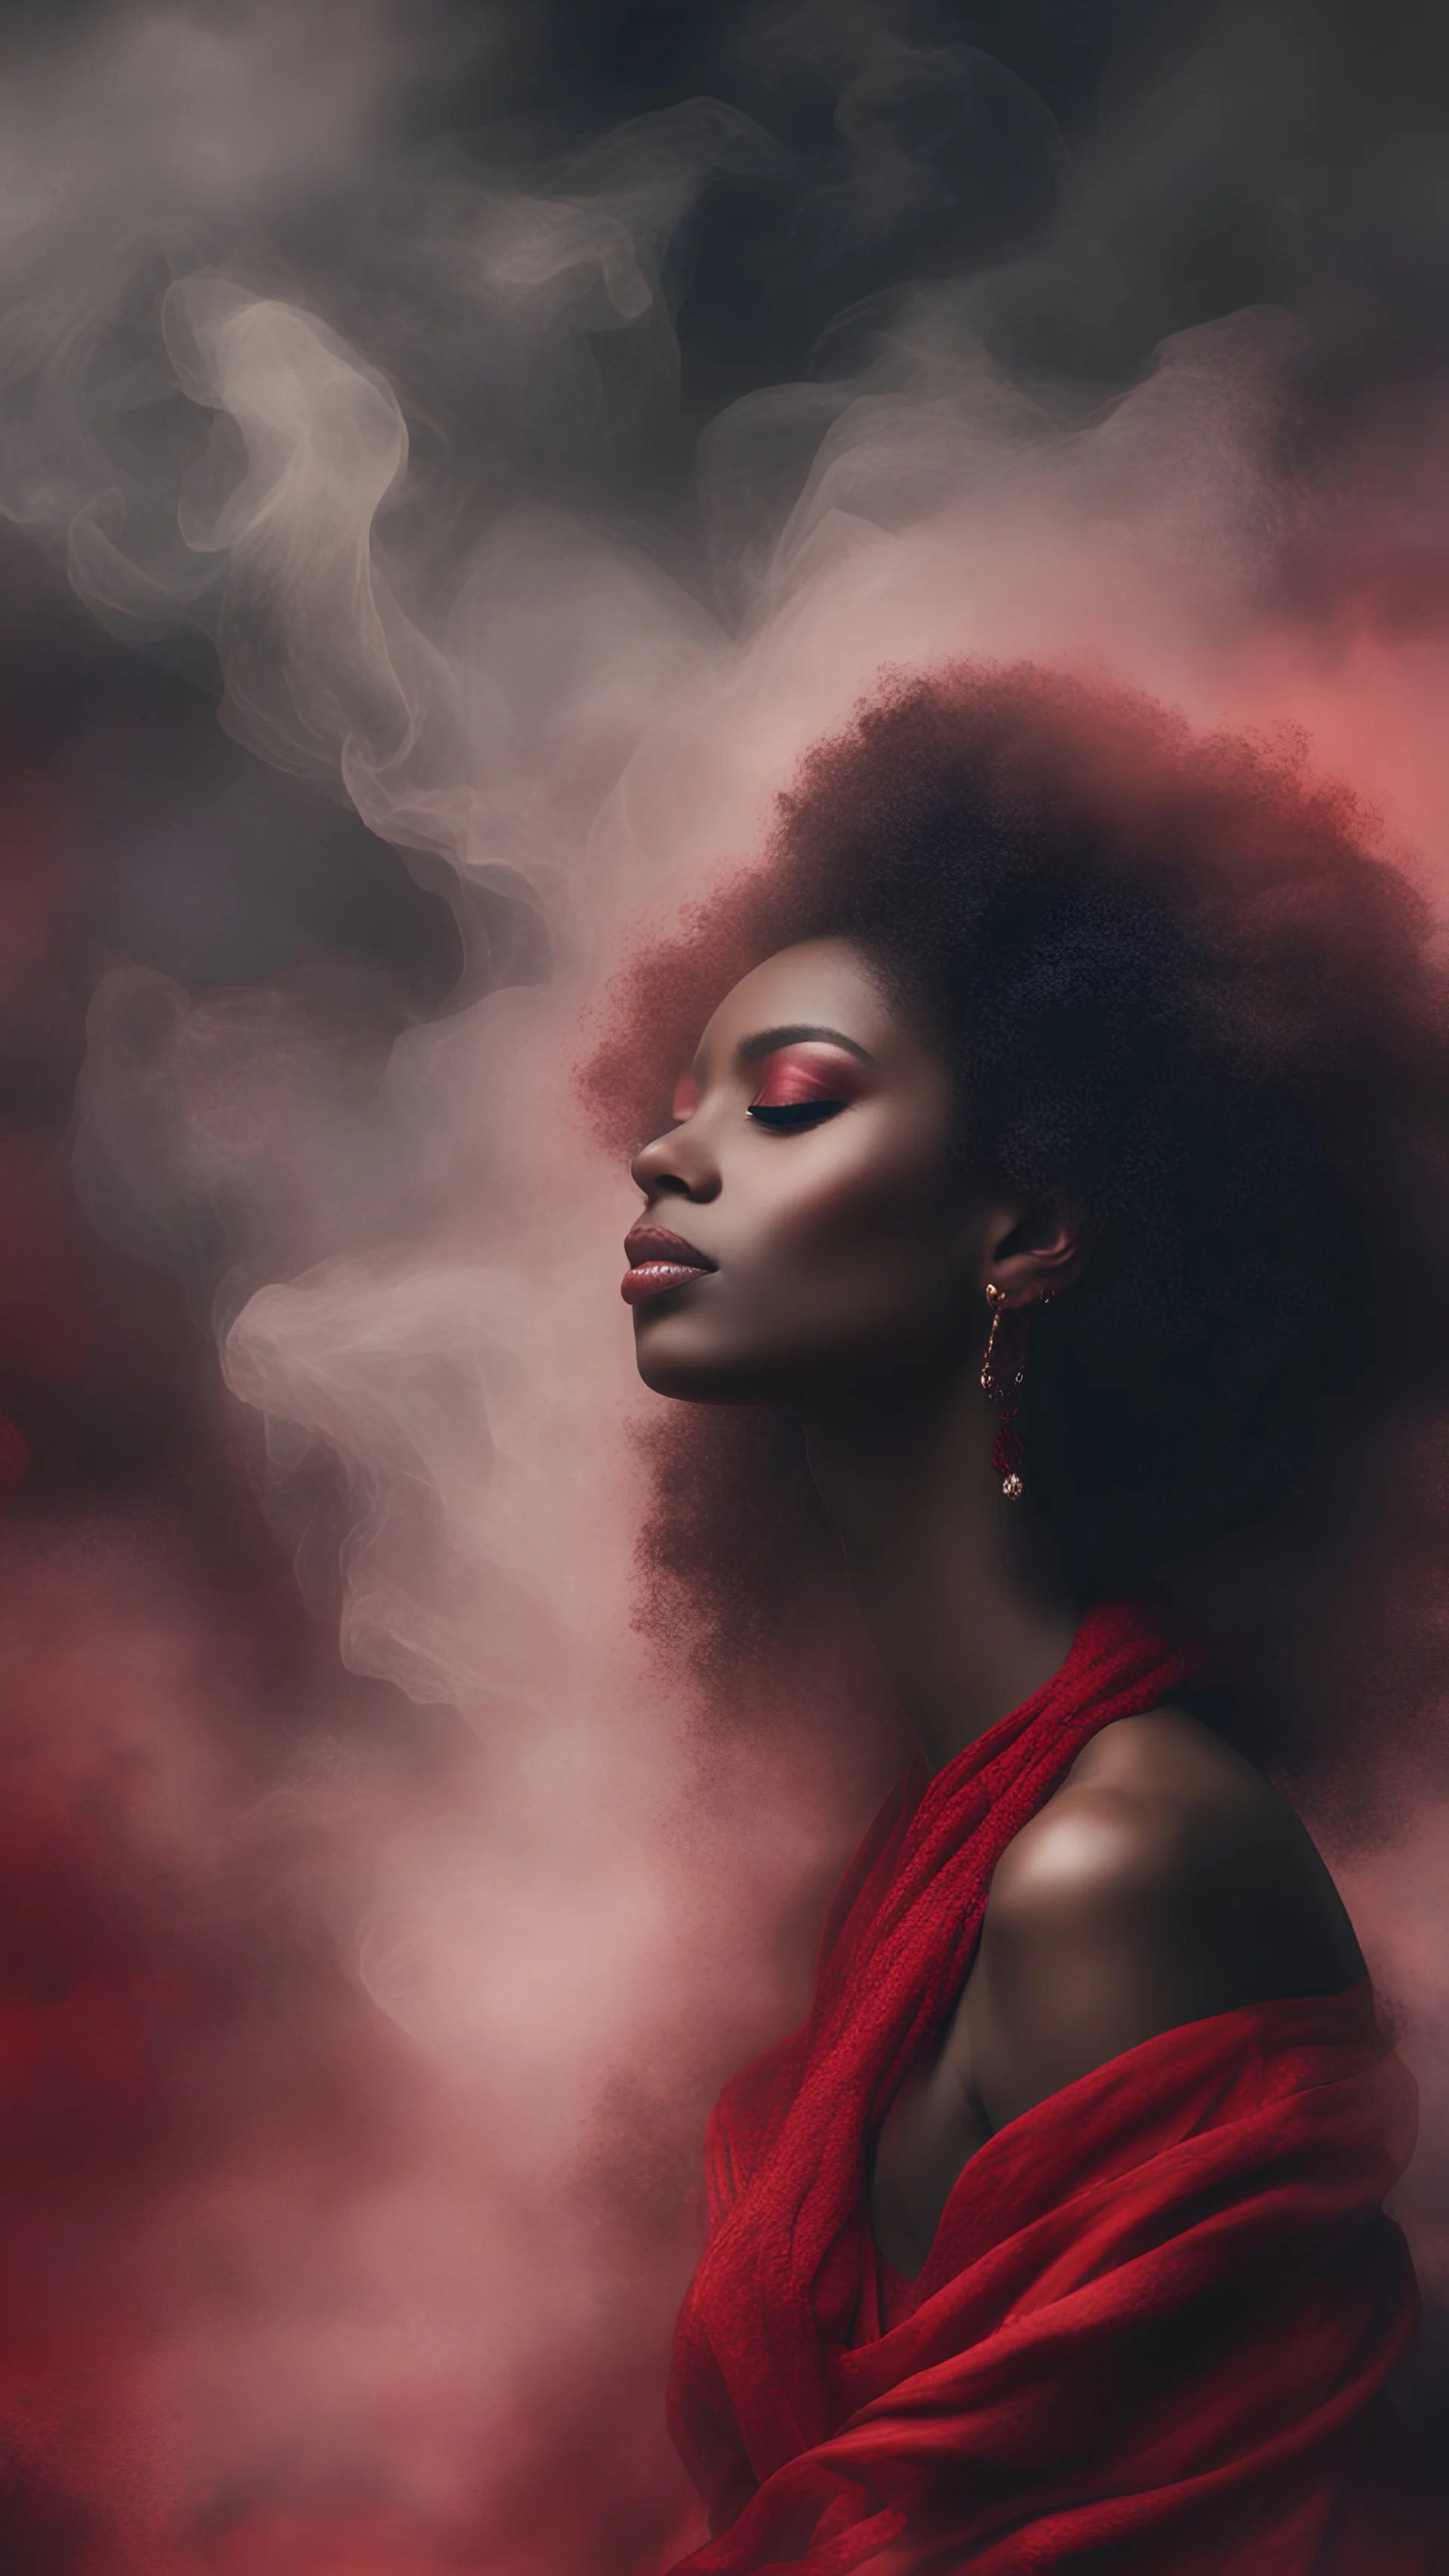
(1062, 1152)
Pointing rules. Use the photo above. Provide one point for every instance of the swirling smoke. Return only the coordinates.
(359, 2020)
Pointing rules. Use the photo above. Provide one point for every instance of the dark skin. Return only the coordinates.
(1165, 1880)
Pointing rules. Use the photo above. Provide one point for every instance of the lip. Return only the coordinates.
(659, 1261)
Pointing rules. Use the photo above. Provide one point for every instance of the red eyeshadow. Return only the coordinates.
(801, 1074)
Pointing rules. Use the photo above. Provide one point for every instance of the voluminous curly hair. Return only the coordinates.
(1186, 998)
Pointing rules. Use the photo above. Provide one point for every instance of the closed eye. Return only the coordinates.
(787, 1114)
(803, 1085)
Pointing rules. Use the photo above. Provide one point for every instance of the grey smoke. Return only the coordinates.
(375, 420)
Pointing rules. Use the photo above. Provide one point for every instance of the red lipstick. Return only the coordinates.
(659, 1260)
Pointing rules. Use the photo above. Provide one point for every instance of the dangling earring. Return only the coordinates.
(1005, 1391)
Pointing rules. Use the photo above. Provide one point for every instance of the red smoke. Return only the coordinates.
(284, 2292)
(198, 2106)
(196, 2103)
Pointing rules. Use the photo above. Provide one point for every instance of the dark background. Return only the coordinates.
(1107, 171)
(1114, 171)
(1144, 166)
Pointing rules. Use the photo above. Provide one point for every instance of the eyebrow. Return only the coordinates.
(750, 1050)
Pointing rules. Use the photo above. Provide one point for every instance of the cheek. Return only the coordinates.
(873, 1219)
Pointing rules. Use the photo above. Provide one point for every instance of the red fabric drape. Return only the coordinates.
(1160, 2308)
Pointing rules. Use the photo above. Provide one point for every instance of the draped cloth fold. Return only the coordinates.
(1159, 2312)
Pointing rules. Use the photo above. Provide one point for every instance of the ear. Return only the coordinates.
(1033, 1253)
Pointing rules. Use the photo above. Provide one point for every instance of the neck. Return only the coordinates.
(954, 1582)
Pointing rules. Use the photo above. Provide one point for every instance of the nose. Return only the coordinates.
(679, 1165)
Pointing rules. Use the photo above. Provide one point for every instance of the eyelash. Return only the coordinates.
(786, 1115)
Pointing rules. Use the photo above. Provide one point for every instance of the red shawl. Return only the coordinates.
(1159, 2307)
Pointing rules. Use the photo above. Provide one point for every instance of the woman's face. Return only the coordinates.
(804, 1233)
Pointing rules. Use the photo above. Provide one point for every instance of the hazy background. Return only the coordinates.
(451, 461)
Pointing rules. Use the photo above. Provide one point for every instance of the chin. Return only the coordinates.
(669, 1366)
(688, 1381)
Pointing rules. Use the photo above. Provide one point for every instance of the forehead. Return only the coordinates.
(822, 982)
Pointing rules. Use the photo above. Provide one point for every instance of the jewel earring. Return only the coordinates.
(1004, 1388)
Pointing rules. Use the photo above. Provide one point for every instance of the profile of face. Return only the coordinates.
(807, 1234)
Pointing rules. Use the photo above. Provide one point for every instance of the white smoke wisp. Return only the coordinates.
(409, 1244)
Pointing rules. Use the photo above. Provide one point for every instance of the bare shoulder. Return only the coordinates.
(1163, 1829)
(1165, 1882)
